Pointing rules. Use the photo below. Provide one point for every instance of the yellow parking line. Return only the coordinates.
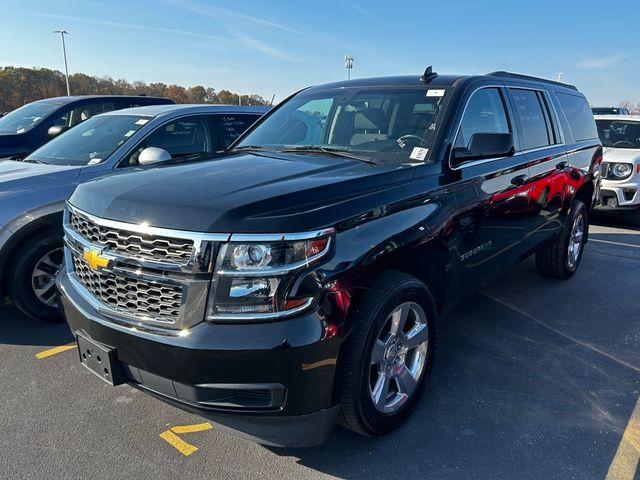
(625, 462)
(55, 350)
(192, 428)
(175, 441)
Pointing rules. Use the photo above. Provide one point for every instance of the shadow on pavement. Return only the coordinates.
(19, 329)
(509, 398)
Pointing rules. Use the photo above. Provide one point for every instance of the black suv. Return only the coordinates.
(34, 124)
(301, 277)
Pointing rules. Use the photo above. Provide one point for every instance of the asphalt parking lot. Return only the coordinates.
(534, 378)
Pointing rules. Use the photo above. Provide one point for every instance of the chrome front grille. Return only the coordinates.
(131, 296)
(138, 275)
(132, 243)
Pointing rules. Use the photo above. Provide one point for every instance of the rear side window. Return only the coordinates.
(533, 119)
(484, 113)
(233, 126)
(579, 116)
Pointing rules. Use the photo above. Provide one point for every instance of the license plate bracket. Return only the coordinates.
(100, 360)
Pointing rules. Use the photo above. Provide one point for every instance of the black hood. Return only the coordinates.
(241, 193)
(12, 144)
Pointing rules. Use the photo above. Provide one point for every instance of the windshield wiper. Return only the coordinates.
(336, 152)
(244, 148)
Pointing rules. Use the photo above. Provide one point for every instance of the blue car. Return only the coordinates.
(33, 191)
(32, 125)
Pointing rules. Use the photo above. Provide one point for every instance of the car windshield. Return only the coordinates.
(384, 125)
(90, 142)
(619, 133)
(26, 117)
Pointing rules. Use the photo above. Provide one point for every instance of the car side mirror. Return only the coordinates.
(485, 145)
(151, 155)
(55, 131)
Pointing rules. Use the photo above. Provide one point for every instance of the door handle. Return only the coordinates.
(519, 180)
(562, 165)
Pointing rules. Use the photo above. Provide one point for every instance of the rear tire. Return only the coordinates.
(33, 273)
(561, 257)
(385, 373)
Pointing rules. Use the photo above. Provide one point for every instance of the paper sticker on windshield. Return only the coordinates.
(142, 121)
(418, 153)
(129, 133)
(435, 93)
(94, 161)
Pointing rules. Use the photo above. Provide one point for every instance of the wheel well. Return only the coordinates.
(585, 195)
(7, 257)
(428, 264)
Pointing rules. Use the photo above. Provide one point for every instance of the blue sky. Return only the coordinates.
(277, 47)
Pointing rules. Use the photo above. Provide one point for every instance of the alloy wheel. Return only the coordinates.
(575, 241)
(43, 278)
(398, 357)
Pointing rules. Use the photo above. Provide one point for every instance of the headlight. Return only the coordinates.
(621, 170)
(252, 276)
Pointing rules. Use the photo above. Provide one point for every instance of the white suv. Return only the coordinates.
(620, 191)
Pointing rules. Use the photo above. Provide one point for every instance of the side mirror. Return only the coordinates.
(151, 155)
(485, 145)
(55, 131)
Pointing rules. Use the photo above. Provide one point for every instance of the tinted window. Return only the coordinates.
(484, 113)
(85, 112)
(579, 116)
(533, 120)
(26, 117)
(90, 143)
(233, 126)
(186, 137)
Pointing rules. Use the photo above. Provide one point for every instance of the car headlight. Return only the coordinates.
(621, 170)
(252, 276)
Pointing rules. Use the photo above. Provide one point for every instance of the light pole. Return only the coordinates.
(64, 54)
(559, 76)
(348, 64)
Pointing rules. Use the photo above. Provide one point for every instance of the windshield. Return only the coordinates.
(25, 118)
(91, 142)
(388, 125)
(619, 133)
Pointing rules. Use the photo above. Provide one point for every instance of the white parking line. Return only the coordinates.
(615, 243)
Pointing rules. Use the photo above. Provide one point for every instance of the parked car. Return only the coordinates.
(620, 137)
(610, 111)
(302, 277)
(26, 128)
(33, 191)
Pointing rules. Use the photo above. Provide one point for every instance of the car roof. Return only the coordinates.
(75, 98)
(634, 118)
(156, 110)
(438, 80)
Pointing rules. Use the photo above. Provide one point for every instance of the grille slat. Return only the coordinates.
(129, 295)
(131, 243)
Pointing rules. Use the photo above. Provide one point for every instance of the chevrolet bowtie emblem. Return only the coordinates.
(94, 260)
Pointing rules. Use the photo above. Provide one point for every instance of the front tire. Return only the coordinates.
(561, 257)
(389, 356)
(33, 274)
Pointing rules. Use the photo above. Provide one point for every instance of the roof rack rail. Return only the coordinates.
(502, 73)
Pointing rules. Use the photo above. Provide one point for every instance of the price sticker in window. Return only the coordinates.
(419, 153)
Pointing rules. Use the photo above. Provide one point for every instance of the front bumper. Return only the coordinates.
(272, 382)
(619, 196)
